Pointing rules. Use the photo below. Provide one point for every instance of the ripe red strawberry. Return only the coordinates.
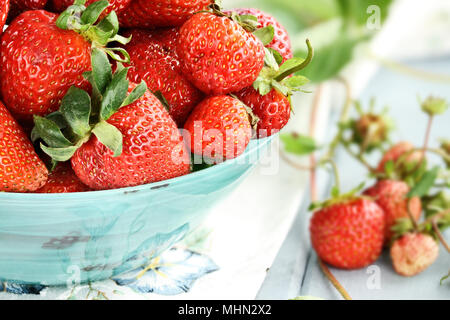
(160, 13)
(21, 170)
(39, 63)
(63, 180)
(4, 9)
(272, 109)
(130, 141)
(115, 5)
(390, 195)
(348, 234)
(402, 155)
(413, 253)
(219, 128)
(152, 59)
(269, 97)
(218, 55)
(153, 150)
(19, 6)
(281, 41)
(41, 59)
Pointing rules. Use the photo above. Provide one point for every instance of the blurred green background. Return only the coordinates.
(335, 28)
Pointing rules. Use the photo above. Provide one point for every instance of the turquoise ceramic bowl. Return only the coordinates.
(54, 239)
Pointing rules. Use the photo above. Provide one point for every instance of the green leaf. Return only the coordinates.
(423, 186)
(285, 90)
(76, 109)
(101, 69)
(294, 65)
(278, 57)
(298, 144)
(121, 56)
(269, 60)
(109, 23)
(295, 82)
(115, 94)
(335, 192)
(58, 118)
(109, 136)
(93, 12)
(355, 12)
(389, 168)
(50, 133)
(290, 64)
(265, 34)
(331, 58)
(99, 36)
(68, 19)
(60, 154)
(135, 95)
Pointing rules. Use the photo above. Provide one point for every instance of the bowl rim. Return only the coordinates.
(256, 144)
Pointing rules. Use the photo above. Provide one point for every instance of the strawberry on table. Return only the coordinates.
(413, 252)
(153, 59)
(63, 180)
(348, 233)
(41, 58)
(219, 128)
(114, 139)
(21, 170)
(218, 55)
(390, 195)
(281, 41)
(160, 13)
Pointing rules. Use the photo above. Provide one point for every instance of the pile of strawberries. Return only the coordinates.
(349, 230)
(86, 108)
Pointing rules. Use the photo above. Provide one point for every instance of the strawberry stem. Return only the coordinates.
(299, 67)
(334, 281)
(439, 235)
(410, 215)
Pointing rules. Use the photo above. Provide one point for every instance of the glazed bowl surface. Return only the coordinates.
(52, 239)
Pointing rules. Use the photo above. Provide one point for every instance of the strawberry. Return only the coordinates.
(114, 140)
(4, 9)
(63, 180)
(115, 5)
(21, 170)
(413, 253)
(153, 59)
(19, 6)
(272, 109)
(348, 234)
(219, 128)
(390, 195)
(270, 96)
(41, 59)
(403, 156)
(160, 13)
(218, 55)
(281, 41)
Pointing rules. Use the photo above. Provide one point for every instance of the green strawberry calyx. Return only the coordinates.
(339, 198)
(83, 20)
(82, 115)
(275, 74)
